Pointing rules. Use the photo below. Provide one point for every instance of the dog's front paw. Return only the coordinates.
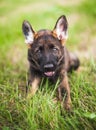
(67, 104)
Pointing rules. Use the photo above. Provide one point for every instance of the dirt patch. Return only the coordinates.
(73, 18)
(87, 48)
(41, 6)
(17, 54)
(68, 2)
(93, 47)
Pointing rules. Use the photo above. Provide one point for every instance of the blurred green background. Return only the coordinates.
(81, 16)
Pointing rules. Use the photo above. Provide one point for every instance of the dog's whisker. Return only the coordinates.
(60, 60)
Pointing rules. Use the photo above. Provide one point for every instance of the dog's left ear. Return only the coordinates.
(60, 28)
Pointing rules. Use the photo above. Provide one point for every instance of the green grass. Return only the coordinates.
(41, 113)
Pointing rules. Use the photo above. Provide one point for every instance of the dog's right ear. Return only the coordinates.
(28, 32)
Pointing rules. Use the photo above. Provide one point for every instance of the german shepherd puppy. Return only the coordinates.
(48, 57)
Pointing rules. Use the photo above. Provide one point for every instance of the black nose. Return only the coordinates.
(48, 67)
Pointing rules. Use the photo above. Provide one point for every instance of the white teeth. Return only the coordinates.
(49, 74)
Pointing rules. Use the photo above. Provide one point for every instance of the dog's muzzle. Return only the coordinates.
(49, 70)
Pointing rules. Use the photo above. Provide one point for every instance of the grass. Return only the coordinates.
(40, 113)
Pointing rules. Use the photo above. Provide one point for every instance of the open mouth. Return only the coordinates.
(49, 70)
(49, 74)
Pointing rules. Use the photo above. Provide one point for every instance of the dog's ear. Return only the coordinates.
(28, 32)
(61, 28)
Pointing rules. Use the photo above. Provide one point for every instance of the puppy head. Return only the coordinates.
(46, 46)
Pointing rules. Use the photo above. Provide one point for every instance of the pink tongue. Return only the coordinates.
(49, 73)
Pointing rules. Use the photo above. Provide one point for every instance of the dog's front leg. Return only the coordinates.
(34, 84)
(64, 90)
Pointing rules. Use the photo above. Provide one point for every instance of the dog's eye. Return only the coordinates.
(55, 49)
(37, 51)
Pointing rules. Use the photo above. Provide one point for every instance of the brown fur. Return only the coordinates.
(48, 57)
